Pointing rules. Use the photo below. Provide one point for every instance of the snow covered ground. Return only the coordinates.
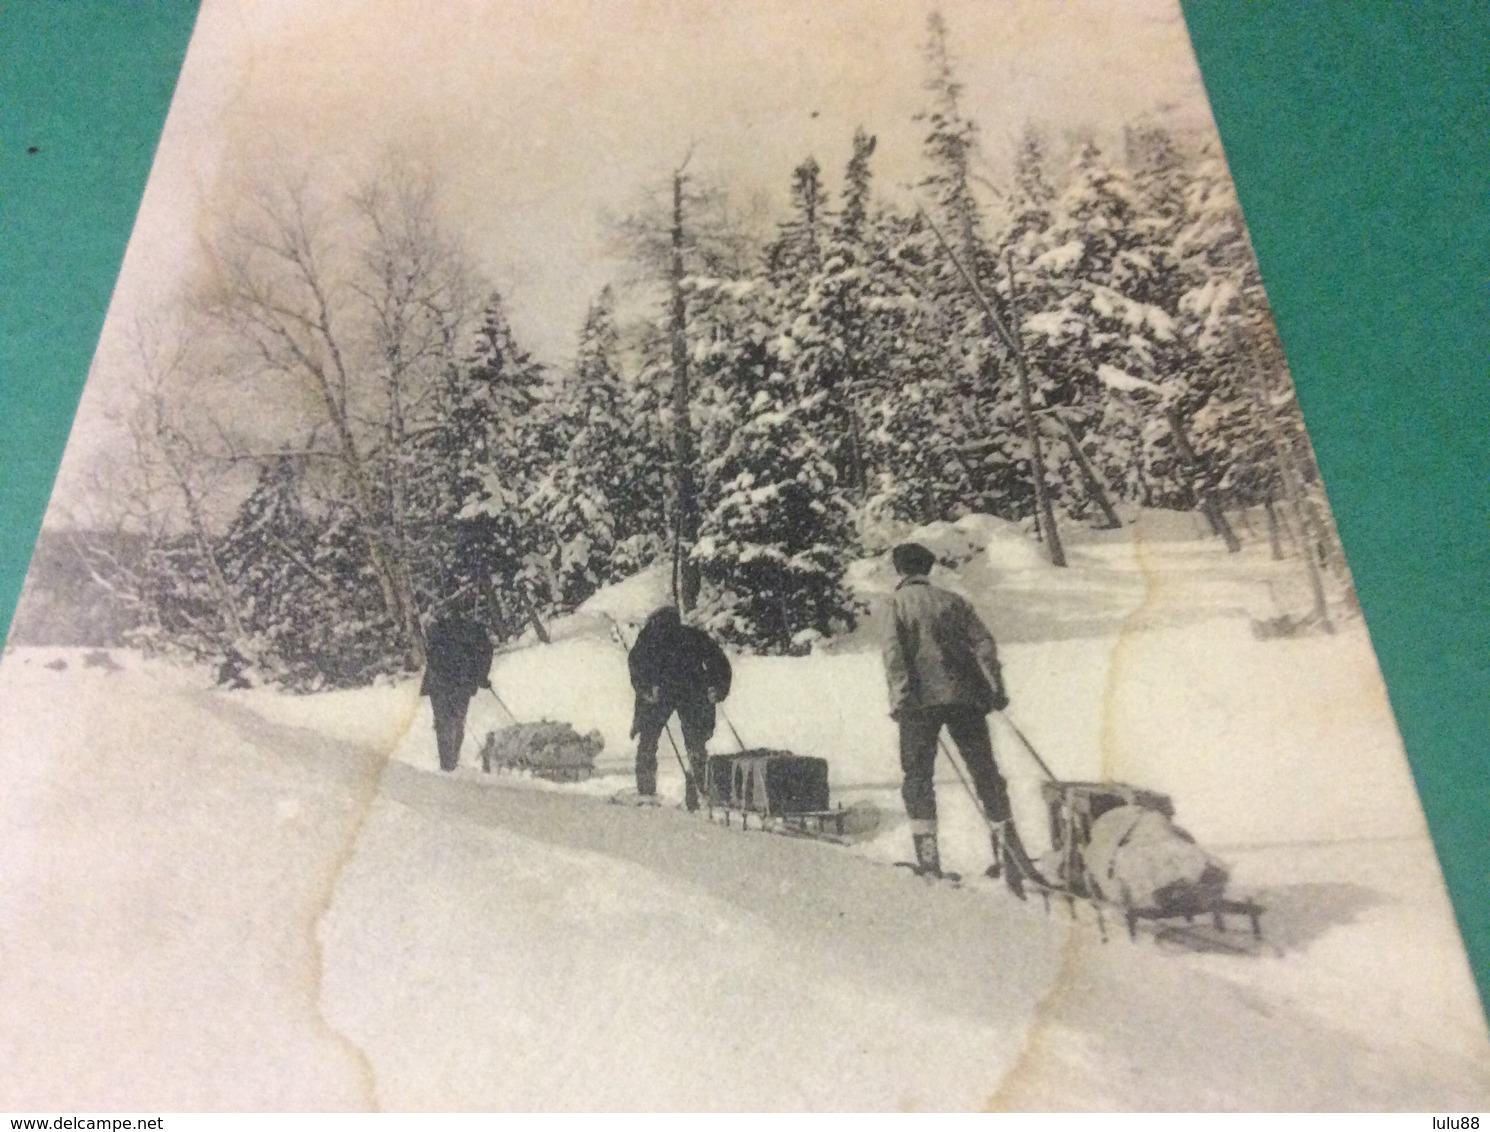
(249, 900)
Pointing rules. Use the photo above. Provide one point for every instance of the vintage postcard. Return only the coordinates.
(704, 555)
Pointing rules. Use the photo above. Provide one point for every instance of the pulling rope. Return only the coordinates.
(512, 715)
(738, 741)
(1030, 747)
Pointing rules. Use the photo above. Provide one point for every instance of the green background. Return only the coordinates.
(1357, 135)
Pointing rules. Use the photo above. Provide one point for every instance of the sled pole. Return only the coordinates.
(946, 749)
(1030, 747)
(512, 715)
(962, 777)
(1002, 858)
(725, 716)
(677, 754)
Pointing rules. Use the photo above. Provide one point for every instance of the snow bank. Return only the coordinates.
(166, 855)
(630, 601)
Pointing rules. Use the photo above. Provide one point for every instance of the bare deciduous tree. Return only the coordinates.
(360, 309)
(153, 543)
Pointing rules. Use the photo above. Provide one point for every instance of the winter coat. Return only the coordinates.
(683, 663)
(457, 657)
(938, 653)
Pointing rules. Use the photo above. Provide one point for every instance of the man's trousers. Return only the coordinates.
(697, 720)
(450, 706)
(918, 742)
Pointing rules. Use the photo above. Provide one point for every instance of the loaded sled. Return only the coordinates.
(781, 791)
(548, 750)
(1117, 850)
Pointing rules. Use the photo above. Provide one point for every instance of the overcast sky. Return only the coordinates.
(538, 117)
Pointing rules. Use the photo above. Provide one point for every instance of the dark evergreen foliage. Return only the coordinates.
(861, 363)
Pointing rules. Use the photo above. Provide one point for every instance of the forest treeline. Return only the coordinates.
(342, 436)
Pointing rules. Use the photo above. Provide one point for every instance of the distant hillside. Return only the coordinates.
(62, 603)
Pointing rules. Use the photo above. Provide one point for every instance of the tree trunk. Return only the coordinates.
(1208, 505)
(858, 477)
(1032, 431)
(685, 508)
(1089, 474)
(1275, 539)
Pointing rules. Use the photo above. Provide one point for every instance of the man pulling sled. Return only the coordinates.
(675, 668)
(942, 667)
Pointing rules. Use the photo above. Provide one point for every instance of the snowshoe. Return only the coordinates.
(929, 874)
(634, 798)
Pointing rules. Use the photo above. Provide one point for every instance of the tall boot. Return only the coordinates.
(1011, 859)
(646, 780)
(928, 858)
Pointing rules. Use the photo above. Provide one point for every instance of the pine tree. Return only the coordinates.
(842, 319)
(773, 547)
(971, 455)
(600, 503)
(1099, 297)
(304, 585)
(491, 447)
(1074, 482)
(347, 648)
(265, 556)
(802, 306)
(797, 251)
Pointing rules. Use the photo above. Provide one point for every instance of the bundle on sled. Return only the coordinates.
(782, 791)
(554, 751)
(1117, 847)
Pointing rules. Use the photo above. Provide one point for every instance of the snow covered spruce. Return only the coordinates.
(750, 402)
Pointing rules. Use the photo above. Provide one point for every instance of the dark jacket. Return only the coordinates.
(683, 663)
(937, 652)
(457, 657)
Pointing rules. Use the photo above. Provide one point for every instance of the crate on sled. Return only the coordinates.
(719, 780)
(771, 783)
(777, 788)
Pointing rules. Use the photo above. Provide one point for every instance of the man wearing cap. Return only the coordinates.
(943, 671)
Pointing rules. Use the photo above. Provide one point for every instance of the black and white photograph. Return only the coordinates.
(704, 556)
